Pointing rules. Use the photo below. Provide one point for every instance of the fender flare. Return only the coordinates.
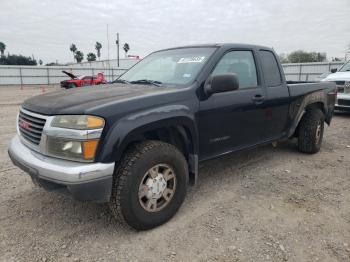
(299, 108)
(130, 128)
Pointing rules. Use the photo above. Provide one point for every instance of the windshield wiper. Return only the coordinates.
(121, 81)
(147, 81)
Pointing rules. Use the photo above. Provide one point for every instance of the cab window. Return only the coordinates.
(270, 68)
(241, 63)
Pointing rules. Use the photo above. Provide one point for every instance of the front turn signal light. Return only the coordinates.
(89, 149)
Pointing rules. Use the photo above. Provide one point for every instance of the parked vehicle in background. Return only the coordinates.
(79, 81)
(322, 76)
(137, 143)
(341, 78)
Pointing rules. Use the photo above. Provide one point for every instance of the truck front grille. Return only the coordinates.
(343, 102)
(30, 126)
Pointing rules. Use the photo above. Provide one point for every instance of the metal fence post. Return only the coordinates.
(112, 74)
(48, 75)
(300, 72)
(20, 75)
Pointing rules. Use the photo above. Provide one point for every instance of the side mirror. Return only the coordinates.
(333, 70)
(221, 83)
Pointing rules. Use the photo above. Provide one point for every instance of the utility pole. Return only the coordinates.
(107, 43)
(109, 66)
(117, 42)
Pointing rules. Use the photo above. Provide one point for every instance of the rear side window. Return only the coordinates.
(270, 68)
(241, 63)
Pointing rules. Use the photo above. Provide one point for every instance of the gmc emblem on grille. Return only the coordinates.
(24, 124)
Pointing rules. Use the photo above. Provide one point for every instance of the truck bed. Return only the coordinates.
(302, 88)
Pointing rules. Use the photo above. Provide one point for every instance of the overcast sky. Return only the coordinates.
(47, 28)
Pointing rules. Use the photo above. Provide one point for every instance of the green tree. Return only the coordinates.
(40, 62)
(126, 48)
(79, 56)
(301, 56)
(17, 60)
(98, 47)
(283, 58)
(2, 48)
(73, 49)
(91, 57)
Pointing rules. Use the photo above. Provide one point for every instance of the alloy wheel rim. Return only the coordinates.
(157, 188)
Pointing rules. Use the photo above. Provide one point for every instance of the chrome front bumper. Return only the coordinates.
(74, 176)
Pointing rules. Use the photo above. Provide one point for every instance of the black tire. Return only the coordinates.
(310, 131)
(129, 174)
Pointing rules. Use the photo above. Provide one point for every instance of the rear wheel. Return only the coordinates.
(310, 132)
(149, 185)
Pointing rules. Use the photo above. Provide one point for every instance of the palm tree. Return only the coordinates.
(91, 57)
(98, 47)
(2, 48)
(126, 48)
(79, 56)
(73, 49)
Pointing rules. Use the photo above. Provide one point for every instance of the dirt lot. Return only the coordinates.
(268, 204)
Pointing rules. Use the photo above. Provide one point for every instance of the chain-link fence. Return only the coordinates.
(50, 75)
(308, 71)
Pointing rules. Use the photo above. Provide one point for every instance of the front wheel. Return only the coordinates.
(149, 185)
(310, 133)
(71, 85)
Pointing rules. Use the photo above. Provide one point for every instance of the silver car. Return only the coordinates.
(342, 79)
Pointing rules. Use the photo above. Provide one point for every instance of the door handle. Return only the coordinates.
(258, 98)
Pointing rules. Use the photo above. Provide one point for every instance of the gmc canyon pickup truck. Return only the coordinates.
(137, 143)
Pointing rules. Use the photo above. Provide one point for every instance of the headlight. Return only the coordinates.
(72, 149)
(81, 122)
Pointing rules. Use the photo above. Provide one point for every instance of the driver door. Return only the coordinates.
(235, 119)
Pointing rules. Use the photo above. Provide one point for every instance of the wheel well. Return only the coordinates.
(317, 105)
(176, 135)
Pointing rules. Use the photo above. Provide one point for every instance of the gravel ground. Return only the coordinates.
(268, 204)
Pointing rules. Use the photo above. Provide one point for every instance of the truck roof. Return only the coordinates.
(226, 45)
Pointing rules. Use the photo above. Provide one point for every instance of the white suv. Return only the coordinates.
(342, 79)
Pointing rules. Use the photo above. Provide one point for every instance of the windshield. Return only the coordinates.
(172, 67)
(345, 67)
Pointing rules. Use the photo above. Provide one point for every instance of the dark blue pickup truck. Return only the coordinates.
(136, 143)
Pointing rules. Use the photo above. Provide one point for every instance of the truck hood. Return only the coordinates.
(70, 75)
(79, 100)
(338, 76)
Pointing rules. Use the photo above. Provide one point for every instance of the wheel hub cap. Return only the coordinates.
(157, 187)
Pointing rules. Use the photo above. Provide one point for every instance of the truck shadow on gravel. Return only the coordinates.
(227, 171)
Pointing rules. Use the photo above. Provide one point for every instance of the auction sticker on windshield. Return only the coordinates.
(193, 59)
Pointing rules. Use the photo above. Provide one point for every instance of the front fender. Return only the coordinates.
(130, 128)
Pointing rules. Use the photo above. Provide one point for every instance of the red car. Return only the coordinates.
(78, 81)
